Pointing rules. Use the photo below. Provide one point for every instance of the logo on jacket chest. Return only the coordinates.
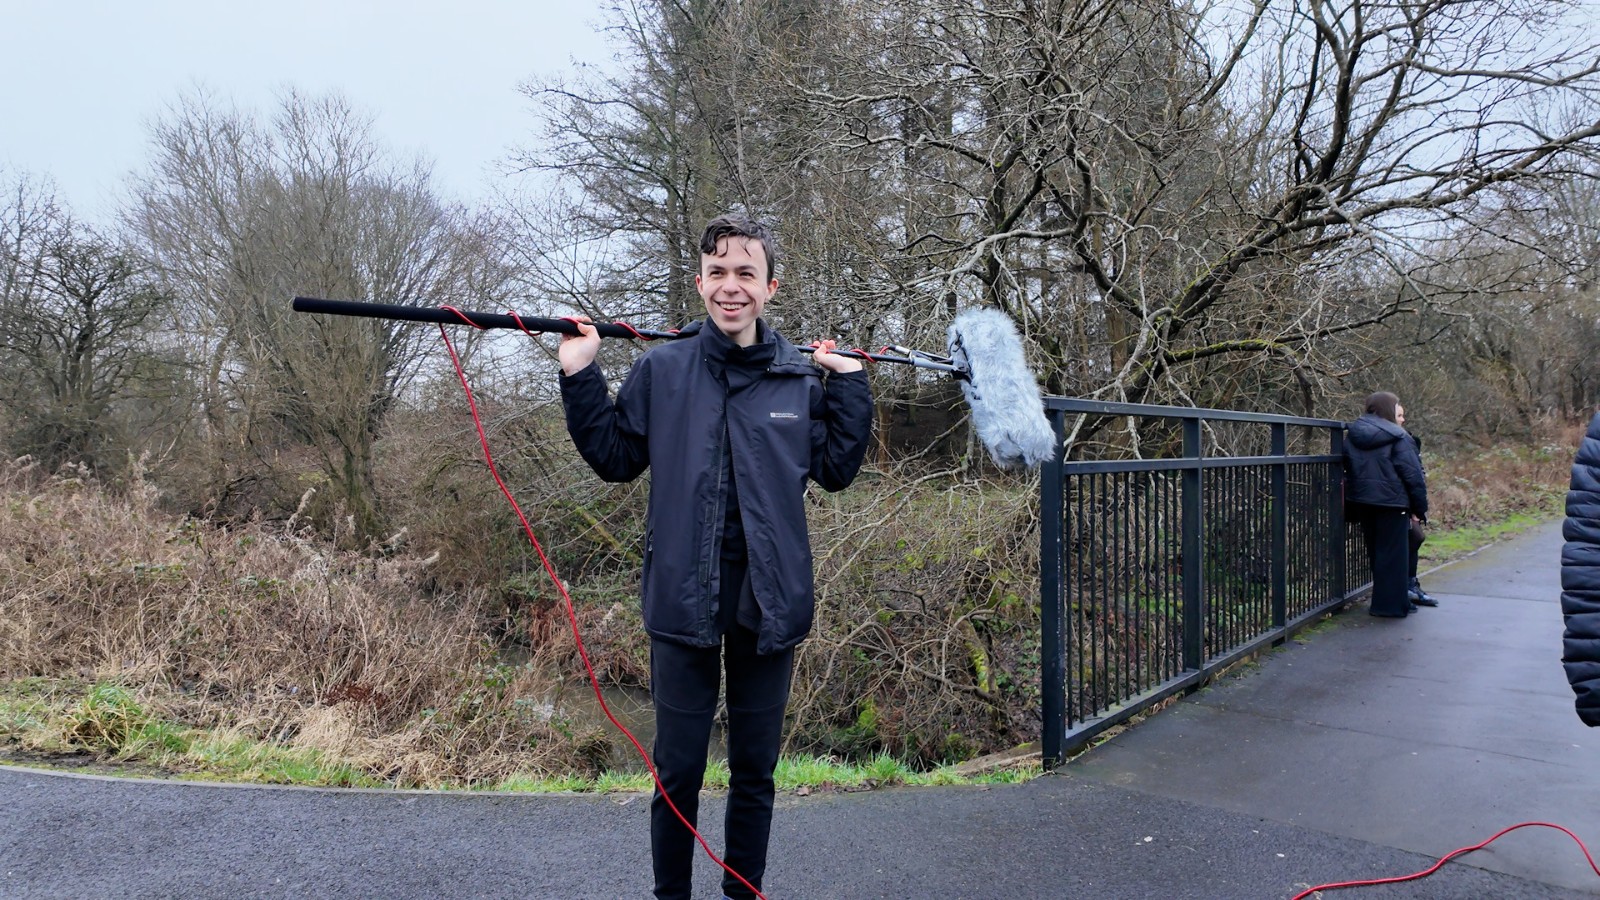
(782, 415)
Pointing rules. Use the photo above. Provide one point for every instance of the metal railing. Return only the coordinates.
(1157, 573)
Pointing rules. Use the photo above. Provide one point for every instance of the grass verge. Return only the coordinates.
(103, 728)
(1445, 546)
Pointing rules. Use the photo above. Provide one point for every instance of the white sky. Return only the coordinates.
(81, 79)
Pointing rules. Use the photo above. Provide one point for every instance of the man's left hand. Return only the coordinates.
(833, 362)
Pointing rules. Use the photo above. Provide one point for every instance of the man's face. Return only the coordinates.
(1399, 414)
(735, 285)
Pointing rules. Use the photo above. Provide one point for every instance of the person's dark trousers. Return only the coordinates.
(683, 683)
(1388, 546)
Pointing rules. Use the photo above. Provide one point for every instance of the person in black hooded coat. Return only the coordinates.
(732, 422)
(1383, 489)
(1580, 578)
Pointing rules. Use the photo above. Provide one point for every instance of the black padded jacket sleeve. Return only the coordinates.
(610, 436)
(841, 428)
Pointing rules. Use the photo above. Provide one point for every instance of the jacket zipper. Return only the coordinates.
(712, 545)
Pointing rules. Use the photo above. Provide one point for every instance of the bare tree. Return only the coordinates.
(239, 217)
(76, 336)
(30, 220)
(78, 347)
(1513, 333)
(634, 144)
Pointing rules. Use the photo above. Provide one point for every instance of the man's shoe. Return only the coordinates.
(1419, 596)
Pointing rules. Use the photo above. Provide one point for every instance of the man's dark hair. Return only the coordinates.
(1382, 404)
(740, 225)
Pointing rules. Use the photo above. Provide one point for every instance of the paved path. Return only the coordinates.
(1368, 749)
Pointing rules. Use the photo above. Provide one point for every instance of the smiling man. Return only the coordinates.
(733, 421)
(734, 283)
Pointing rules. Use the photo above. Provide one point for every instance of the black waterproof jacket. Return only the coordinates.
(674, 416)
(1580, 578)
(1382, 468)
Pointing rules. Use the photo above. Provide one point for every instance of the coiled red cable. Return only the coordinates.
(572, 615)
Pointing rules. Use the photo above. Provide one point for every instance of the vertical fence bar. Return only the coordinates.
(1137, 498)
(1337, 551)
(1052, 603)
(1092, 579)
(1101, 579)
(1117, 610)
(1193, 547)
(1280, 526)
(1172, 508)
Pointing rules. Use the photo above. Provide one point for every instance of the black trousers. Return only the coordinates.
(683, 684)
(1387, 531)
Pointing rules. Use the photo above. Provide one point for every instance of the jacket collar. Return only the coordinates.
(786, 358)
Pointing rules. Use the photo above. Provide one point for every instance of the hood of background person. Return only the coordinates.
(1372, 431)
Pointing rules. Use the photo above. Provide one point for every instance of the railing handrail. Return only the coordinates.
(1106, 407)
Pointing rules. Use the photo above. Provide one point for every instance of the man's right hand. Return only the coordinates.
(578, 351)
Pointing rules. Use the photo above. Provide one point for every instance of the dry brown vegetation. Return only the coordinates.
(264, 632)
(1472, 486)
(927, 638)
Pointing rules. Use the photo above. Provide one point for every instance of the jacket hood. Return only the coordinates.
(1372, 431)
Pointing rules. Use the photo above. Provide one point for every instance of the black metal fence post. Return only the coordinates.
(1280, 525)
(1193, 548)
(1337, 528)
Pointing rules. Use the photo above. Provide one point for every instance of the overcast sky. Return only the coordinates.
(81, 79)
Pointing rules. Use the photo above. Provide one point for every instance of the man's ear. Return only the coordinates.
(772, 287)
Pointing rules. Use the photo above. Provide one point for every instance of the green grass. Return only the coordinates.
(107, 718)
(1444, 546)
(73, 725)
(622, 781)
(229, 757)
(23, 707)
(534, 784)
(794, 773)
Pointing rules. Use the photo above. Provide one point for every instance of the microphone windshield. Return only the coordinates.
(1007, 409)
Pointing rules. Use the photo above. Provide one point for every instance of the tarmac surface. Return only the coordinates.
(1367, 749)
